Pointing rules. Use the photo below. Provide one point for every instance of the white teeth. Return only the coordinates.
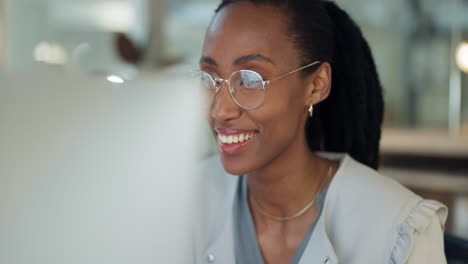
(222, 138)
(233, 139)
(241, 138)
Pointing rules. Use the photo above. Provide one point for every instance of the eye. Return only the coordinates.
(250, 80)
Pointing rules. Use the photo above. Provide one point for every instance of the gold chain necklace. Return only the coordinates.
(301, 212)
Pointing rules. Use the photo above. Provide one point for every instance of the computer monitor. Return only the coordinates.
(97, 172)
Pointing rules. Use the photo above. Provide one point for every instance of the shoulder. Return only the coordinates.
(383, 214)
(368, 189)
(362, 189)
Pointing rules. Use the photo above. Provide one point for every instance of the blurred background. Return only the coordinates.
(420, 47)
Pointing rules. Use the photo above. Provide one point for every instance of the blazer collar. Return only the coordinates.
(320, 249)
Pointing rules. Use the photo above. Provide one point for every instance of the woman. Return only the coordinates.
(284, 80)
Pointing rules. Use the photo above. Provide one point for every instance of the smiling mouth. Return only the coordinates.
(237, 138)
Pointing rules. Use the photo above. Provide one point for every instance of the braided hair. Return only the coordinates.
(350, 119)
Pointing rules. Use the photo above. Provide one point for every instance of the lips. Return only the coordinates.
(233, 141)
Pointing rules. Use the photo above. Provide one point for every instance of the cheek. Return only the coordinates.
(282, 109)
(278, 132)
(279, 120)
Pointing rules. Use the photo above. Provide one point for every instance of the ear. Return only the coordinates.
(318, 85)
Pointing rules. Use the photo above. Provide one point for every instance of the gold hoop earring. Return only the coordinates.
(311, 110)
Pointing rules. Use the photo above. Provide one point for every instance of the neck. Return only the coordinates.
(288, 183)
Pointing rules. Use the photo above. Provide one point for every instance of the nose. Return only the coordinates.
(224, 108)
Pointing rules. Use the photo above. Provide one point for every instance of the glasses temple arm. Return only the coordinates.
(291, 72)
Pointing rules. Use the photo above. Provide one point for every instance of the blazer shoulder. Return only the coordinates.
(362, 203)
(368, 188)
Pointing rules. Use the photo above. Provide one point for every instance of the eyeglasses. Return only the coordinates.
(247, 88)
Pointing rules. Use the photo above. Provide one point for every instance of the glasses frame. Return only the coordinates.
(219, 83)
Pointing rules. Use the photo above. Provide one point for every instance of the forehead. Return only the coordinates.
(243, 28)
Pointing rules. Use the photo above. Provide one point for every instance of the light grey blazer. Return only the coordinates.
(366, 218)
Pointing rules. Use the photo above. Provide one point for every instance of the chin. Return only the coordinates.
(235, 166)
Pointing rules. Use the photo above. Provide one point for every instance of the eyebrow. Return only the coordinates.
(208, 60)
(238, 61)
(252, 57)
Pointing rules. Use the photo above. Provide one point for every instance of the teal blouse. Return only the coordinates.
(246, 244)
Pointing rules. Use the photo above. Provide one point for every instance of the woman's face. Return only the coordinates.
(249, 37)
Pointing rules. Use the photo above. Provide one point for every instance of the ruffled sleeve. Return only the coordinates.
(420, 238)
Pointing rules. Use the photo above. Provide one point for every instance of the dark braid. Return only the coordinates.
(350, 119)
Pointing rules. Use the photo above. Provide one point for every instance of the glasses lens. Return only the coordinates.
(247, 88)
(208, 88)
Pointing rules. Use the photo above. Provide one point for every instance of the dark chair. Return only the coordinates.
(456, 249)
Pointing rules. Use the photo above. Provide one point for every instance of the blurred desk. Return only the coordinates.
(423, 143)
(429, 180)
